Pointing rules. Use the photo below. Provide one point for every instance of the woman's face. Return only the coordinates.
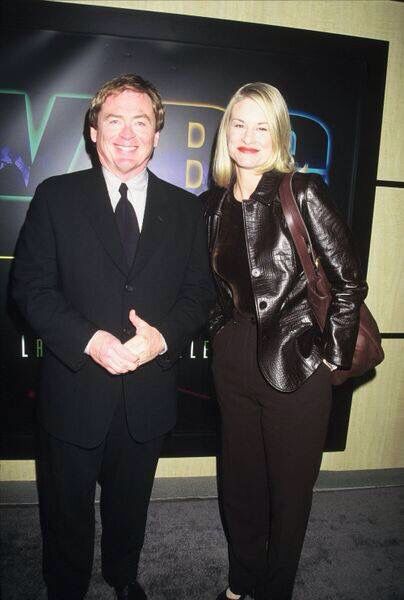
(248, 138)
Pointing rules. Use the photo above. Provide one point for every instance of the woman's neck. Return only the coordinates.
(246, 182)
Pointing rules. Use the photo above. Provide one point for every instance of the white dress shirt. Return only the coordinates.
(137, 191)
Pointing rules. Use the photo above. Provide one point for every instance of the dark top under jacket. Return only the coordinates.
(290, 344)
(230, 260)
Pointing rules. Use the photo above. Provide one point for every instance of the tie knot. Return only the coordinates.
(123, 190)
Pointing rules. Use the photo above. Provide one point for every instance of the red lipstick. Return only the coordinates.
(247, 150)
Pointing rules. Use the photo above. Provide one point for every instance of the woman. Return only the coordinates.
(271, 363)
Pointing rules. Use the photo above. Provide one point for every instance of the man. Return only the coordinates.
(111, 271)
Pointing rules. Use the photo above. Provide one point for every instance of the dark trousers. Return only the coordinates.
(272, 445)
(67, 477)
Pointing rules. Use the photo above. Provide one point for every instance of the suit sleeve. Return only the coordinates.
(35, 287)
(332, 240)
(196, 297)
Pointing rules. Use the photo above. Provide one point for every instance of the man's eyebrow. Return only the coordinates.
(109, 115)
(140, 116)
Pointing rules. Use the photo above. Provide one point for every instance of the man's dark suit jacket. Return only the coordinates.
(70, 279)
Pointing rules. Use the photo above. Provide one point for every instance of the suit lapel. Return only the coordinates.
(155, 222)
(98, 209)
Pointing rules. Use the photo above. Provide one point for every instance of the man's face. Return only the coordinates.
(126, 133)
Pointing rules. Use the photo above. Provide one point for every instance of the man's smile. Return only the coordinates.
(125, 148)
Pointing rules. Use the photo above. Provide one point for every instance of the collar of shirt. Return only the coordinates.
(137, 191)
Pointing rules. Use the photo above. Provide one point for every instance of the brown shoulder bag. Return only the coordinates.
(368, 350)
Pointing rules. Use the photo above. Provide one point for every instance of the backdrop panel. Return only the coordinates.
(54, 57)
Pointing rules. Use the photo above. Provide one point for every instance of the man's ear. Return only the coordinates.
(93, 134)
(156, 139)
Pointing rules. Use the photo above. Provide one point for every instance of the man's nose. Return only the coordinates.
(127, 132)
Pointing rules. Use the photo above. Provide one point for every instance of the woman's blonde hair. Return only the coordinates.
(271, 101)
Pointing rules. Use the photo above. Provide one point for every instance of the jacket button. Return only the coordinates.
(129, 288)
(256, 272)
(263, 304)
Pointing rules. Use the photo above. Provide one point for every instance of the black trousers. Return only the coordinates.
(67, 477)
(272, 445)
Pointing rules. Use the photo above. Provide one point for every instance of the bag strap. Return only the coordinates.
(297, 228)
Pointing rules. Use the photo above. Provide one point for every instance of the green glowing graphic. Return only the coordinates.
(76, 155)
(35, 134)
(15, 198)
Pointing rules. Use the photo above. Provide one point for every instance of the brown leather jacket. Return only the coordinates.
(290, 344)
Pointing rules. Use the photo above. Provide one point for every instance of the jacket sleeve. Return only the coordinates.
(216, 320)
(332, 241)
(195, 298)
(36, 290)
(217, 317)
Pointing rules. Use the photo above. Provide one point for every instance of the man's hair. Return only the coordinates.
(120, 84)
(271, 101)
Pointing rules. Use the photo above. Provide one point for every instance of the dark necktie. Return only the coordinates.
(127, 224)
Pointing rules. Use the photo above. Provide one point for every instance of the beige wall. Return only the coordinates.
(376, 430)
